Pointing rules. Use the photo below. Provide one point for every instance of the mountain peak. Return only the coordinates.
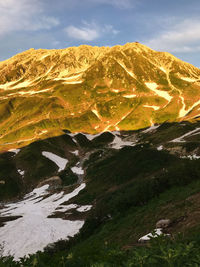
(93, 89)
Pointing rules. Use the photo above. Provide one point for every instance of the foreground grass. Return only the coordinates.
(161, 251)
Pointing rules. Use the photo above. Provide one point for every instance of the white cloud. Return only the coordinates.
(89, 31)
(184, 36)
(22, 15)
(82, 33)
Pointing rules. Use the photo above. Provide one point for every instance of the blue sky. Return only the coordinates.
(163, 25)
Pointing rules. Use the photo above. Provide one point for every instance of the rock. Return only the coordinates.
(54, 181)
(2, 182)
(164, 223)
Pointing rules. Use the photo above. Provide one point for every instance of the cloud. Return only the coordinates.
(24, 15)
(123, 4)
(120, 4)
(183, 37)
(89, 31)
(82, 33)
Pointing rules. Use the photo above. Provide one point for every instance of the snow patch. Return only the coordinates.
(163, 69)
(152, 86)
(68, 78)
(119, 143)
(34, 230)
(76, 152)
(115, 90)
(95, 111)
(129, 96)
(43, 57)
(191, 157)
(154, 107)
(180, 139)
(150, 129)
(84, 208)
(23, 84)
(147, 237)
(77, 170)
(60, 162)
(16, 151)
(128, 71)
(188, 79)
(183, 111)
(72, 82)
(21, 172)
(92, 136)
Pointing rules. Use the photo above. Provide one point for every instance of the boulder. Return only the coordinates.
(164, 223)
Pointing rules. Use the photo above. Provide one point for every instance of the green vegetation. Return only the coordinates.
(130, 190)
(160, 252)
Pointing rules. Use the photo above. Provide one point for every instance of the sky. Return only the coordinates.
(163, 25)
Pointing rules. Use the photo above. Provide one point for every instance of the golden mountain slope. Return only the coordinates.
(93, 89)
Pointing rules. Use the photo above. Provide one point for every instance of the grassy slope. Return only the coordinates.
(131, 189)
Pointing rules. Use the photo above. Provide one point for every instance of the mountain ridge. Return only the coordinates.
(93, 89)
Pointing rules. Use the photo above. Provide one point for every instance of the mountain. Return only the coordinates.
(93, 89)
(97, 145)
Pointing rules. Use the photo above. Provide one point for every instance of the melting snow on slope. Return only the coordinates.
(16, 151)
(75, 152)
(184, 111)
(77, 170)
(147, 237)
(128, 71)
(60, 162)
(21, 172)
(68, 78)
(150, 129)
(180, 139)
(72, 82)
(119, 143)
(30, 92)
(95, 111)
(43, 57)
(23, 84)
(92, 136)
(152, 86)
(164, 70)
(84, 208)
(34, 231)
(115, 90)
(188, 79)
(129, 96)
(153, 107)
(191, 157)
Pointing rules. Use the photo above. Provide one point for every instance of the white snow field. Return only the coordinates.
(119, 143)
(34, 231)
(60, 162)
